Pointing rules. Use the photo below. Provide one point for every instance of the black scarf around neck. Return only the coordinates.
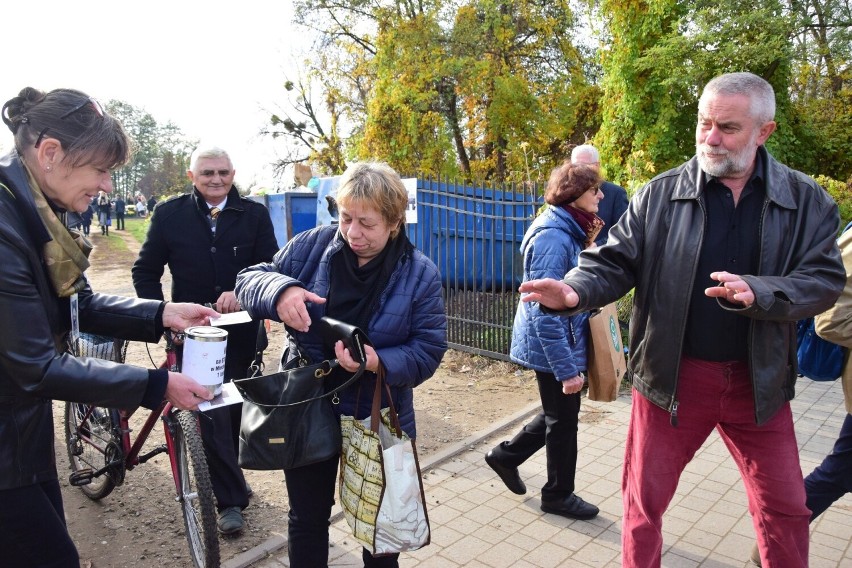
(354, 290)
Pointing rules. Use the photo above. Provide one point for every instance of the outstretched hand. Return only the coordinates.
(184, 392)
(731, 287)
(549, 292)
(292, 310)
(179, 316)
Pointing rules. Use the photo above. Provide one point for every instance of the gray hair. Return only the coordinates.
(757, 89)
(207, 152)
(585, 151)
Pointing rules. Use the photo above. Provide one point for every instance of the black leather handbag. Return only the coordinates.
(288, 420)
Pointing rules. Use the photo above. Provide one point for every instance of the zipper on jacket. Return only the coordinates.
(673, 412)
(673, 418)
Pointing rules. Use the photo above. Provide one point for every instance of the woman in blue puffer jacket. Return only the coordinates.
(365, 272)
(553, 346)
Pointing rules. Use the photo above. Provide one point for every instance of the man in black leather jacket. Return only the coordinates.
(204, 253)
(725, 253)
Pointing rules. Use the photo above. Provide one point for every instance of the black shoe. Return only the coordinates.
(230, 521)
(509, 475)
(572, 507)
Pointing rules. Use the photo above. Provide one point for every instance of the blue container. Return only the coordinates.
(292, 212)
(473, 234)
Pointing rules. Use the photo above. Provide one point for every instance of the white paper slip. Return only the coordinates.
(229, 395)
(231, 319)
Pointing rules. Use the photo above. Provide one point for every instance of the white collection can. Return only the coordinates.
(204, 356)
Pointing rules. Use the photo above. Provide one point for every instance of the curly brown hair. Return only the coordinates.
(569, 181)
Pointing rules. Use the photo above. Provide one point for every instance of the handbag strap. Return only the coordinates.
(353, 338)
(261, 344)
(322, 370)
(376, 411)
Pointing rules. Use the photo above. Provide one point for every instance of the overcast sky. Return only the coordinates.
(211, 67)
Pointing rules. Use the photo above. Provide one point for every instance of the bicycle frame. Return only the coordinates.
(132, 448)
(99, 437)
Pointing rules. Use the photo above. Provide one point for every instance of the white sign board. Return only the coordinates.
(411, 210)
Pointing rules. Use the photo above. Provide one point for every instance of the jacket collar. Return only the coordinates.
(14, 176)
(234, 200)
(690, 184)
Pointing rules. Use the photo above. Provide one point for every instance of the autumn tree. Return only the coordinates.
(160, 157)
(456, 88)
(658, 54)
(821, 85)
(502, 89)
(314, 122)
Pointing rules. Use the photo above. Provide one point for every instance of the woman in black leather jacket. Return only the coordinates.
(65, 148)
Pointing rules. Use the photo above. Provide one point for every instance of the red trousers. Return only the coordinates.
(713, 395)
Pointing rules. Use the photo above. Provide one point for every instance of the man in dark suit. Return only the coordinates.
(120, 207)
(614, 203)
(206, 237)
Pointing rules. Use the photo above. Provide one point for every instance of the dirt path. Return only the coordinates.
(140, 525)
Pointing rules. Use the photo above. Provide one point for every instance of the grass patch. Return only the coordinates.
(115, 242)
(138, 227)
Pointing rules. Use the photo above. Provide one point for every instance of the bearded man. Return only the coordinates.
(725, 252)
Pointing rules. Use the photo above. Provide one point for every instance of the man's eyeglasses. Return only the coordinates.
(90, 102)
(211, 173)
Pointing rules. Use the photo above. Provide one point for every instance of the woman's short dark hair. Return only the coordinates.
(88, 134)
(569, 181)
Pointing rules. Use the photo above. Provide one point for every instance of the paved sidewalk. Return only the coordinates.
(477, 523)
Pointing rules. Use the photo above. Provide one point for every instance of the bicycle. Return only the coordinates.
(100, 451)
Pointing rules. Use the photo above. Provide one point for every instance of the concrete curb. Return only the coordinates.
(279, 541)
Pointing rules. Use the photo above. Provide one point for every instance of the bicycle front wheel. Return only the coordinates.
(195, 491)
(92, 447)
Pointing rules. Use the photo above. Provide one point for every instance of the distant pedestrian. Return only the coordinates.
(86, 218)
(152, 202)
(104, 212)
(120, 206)
(141, 208)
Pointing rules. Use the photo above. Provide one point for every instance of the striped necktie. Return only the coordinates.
(214, 212)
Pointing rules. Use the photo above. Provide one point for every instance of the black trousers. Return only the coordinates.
(832, 479)
(220, 432)
(555, 429)
(310, 490)
(32, 528)
(119, 221)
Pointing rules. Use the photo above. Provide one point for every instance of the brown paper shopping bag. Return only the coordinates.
(606, 354)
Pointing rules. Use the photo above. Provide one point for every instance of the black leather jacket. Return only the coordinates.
(654, 249)
(34, 367)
